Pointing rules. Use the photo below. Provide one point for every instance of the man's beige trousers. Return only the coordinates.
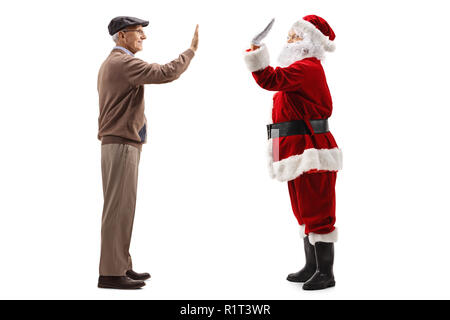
(120, 164)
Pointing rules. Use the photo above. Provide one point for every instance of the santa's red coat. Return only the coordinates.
(302, 94)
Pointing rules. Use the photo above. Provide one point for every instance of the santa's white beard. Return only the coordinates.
(292, 52)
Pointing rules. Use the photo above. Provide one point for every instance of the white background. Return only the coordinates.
(210, 224)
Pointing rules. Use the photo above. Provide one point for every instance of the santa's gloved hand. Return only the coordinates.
(256, 41)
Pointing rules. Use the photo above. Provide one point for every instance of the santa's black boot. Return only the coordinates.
(323, 277)
(310, 266)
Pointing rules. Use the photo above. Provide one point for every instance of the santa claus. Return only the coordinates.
(302, 150)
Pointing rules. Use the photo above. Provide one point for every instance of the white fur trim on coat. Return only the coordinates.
(258, 59)
(302, 231)
(292, 167)
(302, 26)
(328, 237)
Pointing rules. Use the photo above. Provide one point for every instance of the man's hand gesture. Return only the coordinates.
(194, 43)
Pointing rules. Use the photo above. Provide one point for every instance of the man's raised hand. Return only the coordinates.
(194, 43)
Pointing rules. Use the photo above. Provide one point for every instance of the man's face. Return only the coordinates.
(293, 37)
(133, 38)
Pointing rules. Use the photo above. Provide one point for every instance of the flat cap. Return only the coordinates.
(119, 23)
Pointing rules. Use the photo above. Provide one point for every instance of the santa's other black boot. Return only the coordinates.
(310, 266)
(323, 277)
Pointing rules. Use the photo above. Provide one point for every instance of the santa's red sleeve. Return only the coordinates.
(273, 79)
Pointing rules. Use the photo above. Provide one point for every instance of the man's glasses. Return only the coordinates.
(141, 33)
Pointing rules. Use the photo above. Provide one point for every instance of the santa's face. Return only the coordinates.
(293, 37)
(299, 47)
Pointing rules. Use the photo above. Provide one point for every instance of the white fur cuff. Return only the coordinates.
(328, 237)
(258, 59)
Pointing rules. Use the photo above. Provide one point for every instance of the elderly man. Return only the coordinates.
(302, 150)
(122, 131)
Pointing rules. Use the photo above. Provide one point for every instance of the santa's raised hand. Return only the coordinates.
(256, 41)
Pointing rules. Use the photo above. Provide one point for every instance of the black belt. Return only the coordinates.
(295, 127)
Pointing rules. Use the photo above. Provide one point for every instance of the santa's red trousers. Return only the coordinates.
(313, 201)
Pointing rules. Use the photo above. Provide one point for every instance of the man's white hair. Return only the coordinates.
(115, 37)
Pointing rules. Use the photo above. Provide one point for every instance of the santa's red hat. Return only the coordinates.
(318, 29)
